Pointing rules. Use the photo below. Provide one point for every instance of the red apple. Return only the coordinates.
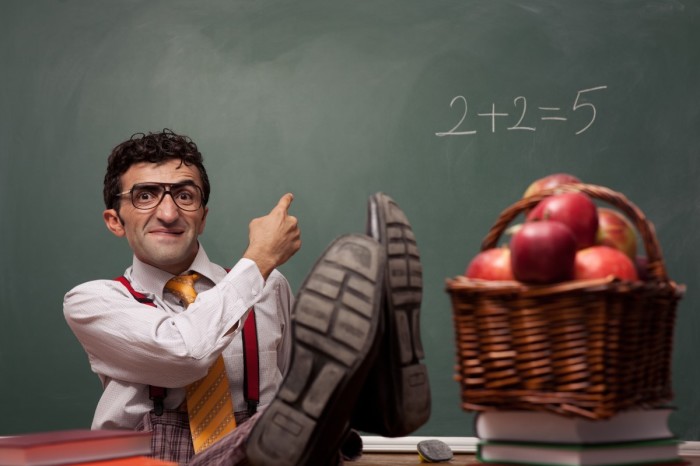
(549, 182)
(543, 252)
(492, 264)
(603, 261)
(616, 231)
(575, 210)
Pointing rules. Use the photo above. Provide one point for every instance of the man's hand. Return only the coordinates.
(274, 238)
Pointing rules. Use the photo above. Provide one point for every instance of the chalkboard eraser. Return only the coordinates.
(434, 451)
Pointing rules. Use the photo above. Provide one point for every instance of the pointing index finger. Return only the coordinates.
(284, 202)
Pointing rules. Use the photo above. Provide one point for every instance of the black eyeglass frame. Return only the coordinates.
(167, 189)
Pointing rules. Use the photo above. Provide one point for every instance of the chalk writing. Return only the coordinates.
(545, 114)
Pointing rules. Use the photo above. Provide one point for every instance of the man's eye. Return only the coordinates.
(145, 195)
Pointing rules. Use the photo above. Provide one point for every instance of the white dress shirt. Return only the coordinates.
(131, 345)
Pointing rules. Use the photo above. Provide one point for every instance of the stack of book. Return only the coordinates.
(79, 447)
(542, 438)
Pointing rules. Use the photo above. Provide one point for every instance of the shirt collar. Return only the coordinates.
(153, 279)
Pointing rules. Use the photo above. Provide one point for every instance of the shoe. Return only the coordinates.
(396, 398)
(335, 328)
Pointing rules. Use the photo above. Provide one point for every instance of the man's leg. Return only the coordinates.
(335, 327)
(396, 397)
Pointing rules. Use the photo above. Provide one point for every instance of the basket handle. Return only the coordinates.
(655, 265)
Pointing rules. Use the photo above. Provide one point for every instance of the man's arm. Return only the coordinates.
(126, 340)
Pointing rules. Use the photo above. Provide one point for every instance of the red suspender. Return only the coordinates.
(140, 297)
(251, 373)
(156, 394)
(251, 362)
(251, 378)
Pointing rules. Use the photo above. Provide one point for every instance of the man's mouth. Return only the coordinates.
(166, 232)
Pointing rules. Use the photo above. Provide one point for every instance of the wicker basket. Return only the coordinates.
(586, 348)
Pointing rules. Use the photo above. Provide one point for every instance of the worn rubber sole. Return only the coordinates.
(397, 394)
(335, 325)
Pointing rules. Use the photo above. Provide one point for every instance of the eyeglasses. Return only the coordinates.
(145, 196)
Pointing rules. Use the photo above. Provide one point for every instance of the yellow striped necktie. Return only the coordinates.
(209, 403)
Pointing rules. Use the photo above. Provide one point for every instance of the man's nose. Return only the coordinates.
(167, 209)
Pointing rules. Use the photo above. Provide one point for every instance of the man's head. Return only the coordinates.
(156, 190)
(153, 148)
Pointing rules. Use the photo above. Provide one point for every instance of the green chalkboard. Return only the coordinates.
(451, 107)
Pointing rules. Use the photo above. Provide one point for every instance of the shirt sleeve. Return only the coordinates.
(129, 341)
(285, 303)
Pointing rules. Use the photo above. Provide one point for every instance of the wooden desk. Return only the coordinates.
(406, 459)
(412, 459)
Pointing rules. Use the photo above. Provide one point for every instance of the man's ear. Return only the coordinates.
(113, 222)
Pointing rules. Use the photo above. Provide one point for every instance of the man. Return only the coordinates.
(156, 191)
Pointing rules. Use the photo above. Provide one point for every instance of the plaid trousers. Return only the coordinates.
(172, 440)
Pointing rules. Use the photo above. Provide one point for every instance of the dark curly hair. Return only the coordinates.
(153, 148)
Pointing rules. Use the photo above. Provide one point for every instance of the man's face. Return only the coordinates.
(165, 236)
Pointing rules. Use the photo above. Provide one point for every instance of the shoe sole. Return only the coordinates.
(401, 378)
(335, 339)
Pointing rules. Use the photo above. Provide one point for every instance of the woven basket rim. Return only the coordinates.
(607, 284)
